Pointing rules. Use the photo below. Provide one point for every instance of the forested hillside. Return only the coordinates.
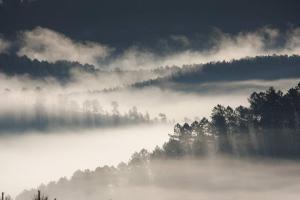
(268, 128)
(61, 70)
(66, 71)
(256, 68)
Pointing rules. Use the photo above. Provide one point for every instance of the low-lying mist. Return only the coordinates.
(210, 178)
(31, 104)
(80, 124)
(34, 158)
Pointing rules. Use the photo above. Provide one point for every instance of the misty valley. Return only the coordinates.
(153, 100)
(245, 149)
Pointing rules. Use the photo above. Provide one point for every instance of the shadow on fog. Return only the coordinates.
(40, 119)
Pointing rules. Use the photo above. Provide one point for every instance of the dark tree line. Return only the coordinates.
(61, 70)
(270, 126)
(259, 67)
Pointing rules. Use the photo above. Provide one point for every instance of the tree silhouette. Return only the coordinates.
(269, 127)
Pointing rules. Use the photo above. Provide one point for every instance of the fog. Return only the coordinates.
(45, 44)
(26, 100)
(36, 158)
(49, 45)
(97, 119)
(209, 178)
(39, 156)
(4, 45)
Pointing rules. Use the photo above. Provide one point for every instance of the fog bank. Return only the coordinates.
(35, 158)
(213, 178)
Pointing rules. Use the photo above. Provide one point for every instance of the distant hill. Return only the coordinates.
(12, 65)
(61, 70)
(256, 68)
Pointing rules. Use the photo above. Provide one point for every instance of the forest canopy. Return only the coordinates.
(270, 126)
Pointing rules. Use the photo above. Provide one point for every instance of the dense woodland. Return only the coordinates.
(269, 128)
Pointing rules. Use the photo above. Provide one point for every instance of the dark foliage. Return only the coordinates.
(61, 70)
(258, 68)
(270, 126)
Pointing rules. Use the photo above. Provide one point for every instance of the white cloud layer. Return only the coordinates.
(47, 45)
(265, 41)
